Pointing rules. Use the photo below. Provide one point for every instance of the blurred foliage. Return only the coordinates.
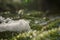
(32, 10)
(51, 25)
(42, 5)
(52, 34)
(49, 32)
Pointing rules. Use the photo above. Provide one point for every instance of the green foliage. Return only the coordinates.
(33, 15)
(51, 25)
(52, 34)
(50, 31)
(7, 35)
(36, 27)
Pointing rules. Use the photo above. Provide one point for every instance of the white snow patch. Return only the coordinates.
(17, 25)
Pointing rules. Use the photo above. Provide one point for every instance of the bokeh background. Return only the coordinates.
(44, 17)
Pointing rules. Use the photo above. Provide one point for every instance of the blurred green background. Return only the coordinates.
(44, 16)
